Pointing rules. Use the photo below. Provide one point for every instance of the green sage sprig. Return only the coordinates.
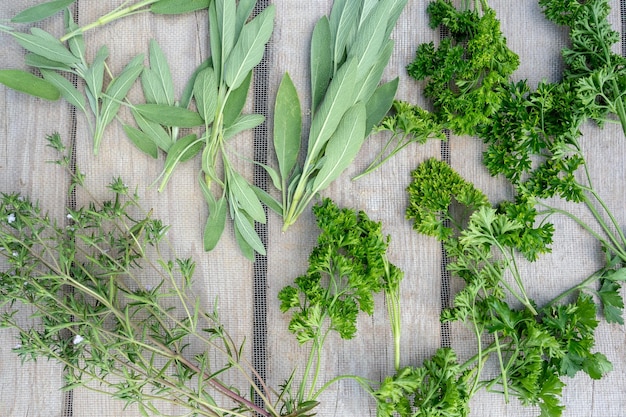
(349, 52)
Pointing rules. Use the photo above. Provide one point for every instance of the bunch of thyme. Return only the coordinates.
(113, 331)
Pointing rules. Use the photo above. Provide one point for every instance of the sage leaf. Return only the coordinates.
(369, 39)
(45, 45)
(342, 147)
(250, 47)
(185, 98)
(170, 115)
(142, 141)
(115, 93)
(244, 246)
(337, 101)
(245, 227)
(244, 195)
(75, 43)
(94, 76)
(244, 10)
(26, 82)
(343, 19)
(243, 123)
(178, 6)
(273, 174)
(226, 14)
(215, 42)
(215, 224)
(161, 69)
(236, 101)
(41, 11)
(287, 126)
(268, 200)
(321, 61)
(367, 86)
(37, 61)
(67, 90)
(205, 93)
(156, 132)
(182, 150)
(379, 104)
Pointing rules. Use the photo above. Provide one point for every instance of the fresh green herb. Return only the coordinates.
(532, 347)
(346, 268)
(220, 87)
(349, 52)
(467, 70)
(100, 103)
(407, 124)
(116, 328)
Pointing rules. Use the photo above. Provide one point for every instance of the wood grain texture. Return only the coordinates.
(33, 389)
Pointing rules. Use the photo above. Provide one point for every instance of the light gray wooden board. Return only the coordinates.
(32, 390)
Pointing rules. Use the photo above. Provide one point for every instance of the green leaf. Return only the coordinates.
(268, 200)
(26, 82)
(142, 141)
(337, 101)
(245, 227)
(94, 76)
(236, 101)
(178, 6)
(160, 69)
(250, 47)
(182, 150)
(156, 132)
(215, 42)
(612, 302)
(244, 10)
(76, 43)
(37, 61)
(41, 11)
(67, 90)
(170, 115)
(367, 86)
(215, 224)
(370, 39)
(115, 93)
(243, 123)
(342, 147)
(185, 99)
(379, 104)
(244, 246)
(321, 61)
(242, 193)
(45, 45)
(287, 126)
(205, 93)
(226, 13)
(343, 19)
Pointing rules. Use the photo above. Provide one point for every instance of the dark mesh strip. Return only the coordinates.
(259, 341)
(445, 274)
(68, 400)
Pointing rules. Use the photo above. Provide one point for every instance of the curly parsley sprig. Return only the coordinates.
(346, 268)
(465, 73)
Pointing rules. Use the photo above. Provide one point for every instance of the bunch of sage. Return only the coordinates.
(219, 87)
(58, 59)
(349, 52)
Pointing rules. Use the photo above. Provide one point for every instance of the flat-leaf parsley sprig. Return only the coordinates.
(532, 347)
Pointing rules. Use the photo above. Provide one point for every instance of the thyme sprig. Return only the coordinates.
(114, 310)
